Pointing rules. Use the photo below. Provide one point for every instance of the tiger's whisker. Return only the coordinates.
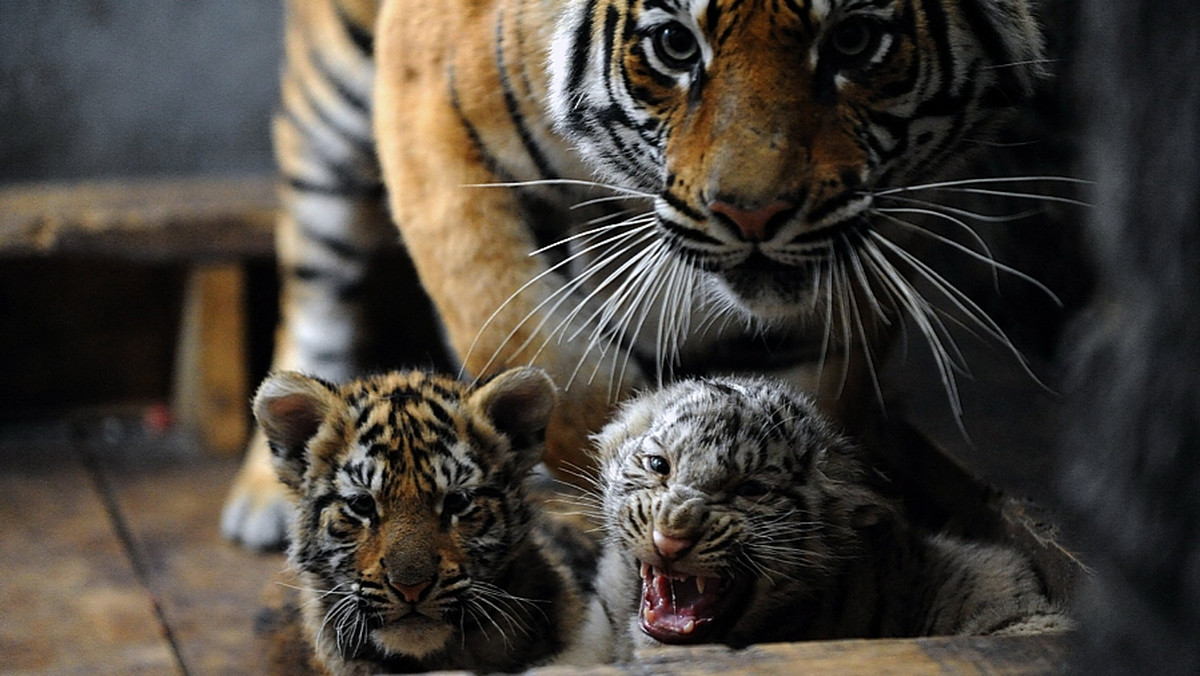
(865, 285)
(561, 293)
(927, 322)
(1005, 193)
(958, 211)
(986, 259)
(984, 181)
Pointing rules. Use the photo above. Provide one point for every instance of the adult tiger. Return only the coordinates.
(760, 138)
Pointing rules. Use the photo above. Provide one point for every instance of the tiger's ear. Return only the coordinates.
(519, 402)
(290, 408)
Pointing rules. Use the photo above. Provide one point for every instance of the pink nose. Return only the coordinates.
(410, 592)
(752, 222)
(669, 546)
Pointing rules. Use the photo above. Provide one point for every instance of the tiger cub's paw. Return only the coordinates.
(258, 509)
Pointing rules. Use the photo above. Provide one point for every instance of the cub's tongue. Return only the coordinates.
(679, 609)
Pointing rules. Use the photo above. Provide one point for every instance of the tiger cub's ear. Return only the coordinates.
(290, 408)
(519, 402)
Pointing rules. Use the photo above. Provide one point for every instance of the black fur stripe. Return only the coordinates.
(360, 103)
(363, 38)
(489, 160)
(682, 232)
(335, 282)
(514, 111)
(938, 27)
(347, 181)
(993, 45)
(580, 51)
(338, 188)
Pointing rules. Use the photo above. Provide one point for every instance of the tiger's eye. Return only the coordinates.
(676, 46)
(855, 40)
(657, 464)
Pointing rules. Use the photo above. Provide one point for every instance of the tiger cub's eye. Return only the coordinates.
(455, 502)
(657, 464)
(362, 505)
(752, 488)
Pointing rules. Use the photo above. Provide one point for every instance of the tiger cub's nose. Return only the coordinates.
(754, 224)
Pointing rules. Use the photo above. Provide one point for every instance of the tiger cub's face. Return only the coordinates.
(410, 500)
(731, 504)
(764, 130)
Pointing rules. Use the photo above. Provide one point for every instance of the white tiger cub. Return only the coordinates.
(734, 513)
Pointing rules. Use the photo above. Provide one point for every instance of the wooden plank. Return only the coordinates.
(209, 590)
(144, 219)
(211, 388)
(960, 656)
(72, 601)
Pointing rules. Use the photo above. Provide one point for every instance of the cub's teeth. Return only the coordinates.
(645, 570)
(700, 583)
(650, 616)
(688, 628)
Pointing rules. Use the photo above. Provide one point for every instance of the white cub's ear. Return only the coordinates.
(519, 402)
(290, 408)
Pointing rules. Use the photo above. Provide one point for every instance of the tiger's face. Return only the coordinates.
(763, 129)
(410, 501)
(733, 506)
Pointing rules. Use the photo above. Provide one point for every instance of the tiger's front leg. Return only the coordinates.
(330, 222)
(460, 99)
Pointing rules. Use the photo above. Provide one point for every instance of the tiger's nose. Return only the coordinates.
(752, 223)
(409, 592)
(669, 546)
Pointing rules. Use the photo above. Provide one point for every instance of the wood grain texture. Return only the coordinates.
(960, 656)
(145, 219)
(72, 601)
(210, 591)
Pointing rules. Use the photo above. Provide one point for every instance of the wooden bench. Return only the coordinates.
(211, 225)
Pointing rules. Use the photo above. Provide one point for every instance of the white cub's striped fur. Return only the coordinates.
(734, 513)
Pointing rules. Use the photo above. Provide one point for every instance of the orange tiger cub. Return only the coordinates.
(416, 542)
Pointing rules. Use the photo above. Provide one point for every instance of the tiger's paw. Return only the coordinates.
(258, 509)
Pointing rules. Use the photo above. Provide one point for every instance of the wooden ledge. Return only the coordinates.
(1045, 654)
(143, 219)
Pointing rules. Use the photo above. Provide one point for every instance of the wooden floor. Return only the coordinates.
(110, 559)
(111, 563)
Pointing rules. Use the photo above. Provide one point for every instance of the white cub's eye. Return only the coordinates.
(676, 46)
(657, 464)
(752, 488)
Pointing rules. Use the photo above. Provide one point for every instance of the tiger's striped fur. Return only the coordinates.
(415, 540)
(755, 157)
(735, 514)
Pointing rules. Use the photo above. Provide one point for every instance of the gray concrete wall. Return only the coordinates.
(107, 88)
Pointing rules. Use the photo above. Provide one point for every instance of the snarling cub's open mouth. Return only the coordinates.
(681, 608)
